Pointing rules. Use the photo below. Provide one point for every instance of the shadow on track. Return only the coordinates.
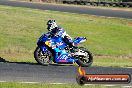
(5, 61)
(31, 63)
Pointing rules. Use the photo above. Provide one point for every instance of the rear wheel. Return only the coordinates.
(43, 59)
(85, 61)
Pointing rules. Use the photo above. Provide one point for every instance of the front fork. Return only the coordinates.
(46, 51)
(43, 49)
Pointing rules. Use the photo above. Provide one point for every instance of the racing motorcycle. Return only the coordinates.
(55, 49)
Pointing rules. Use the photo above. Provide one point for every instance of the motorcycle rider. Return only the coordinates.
(55, 30)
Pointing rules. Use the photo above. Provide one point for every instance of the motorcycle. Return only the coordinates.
(55, 49)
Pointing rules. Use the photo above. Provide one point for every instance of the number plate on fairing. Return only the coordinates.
(62, 57)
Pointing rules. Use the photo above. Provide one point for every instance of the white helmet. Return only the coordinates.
(51, 25)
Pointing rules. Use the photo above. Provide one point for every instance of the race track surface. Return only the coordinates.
(32, 72)
(71, 9)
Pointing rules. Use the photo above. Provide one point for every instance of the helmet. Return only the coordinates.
(51, 25)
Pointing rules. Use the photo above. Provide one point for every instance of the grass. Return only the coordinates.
(112, 62)
(41, 85)
(109, 39)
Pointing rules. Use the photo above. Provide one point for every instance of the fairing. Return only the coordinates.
(57, 44)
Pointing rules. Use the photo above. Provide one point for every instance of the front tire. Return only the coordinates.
(42, 59)
(85, 61)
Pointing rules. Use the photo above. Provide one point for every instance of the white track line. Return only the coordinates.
(109, 85)
(128, 67)
(2, 81)
(88, 84)
(127, 86)
(29, 82)
(58, 83)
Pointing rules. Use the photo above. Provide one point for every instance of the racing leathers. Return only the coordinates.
(58, 31)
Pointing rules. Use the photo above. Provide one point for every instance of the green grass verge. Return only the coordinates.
(40, 85)
(112, 62)
(109, 39)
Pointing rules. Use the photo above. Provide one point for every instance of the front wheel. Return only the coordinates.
(42, 59)
(87, 60)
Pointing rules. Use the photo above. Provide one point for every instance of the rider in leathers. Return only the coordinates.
(55, 30)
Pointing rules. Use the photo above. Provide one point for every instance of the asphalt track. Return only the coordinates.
(71, 9)
(32, 72)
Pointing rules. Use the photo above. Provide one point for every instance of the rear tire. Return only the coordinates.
(82, 62)
(42, 59)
